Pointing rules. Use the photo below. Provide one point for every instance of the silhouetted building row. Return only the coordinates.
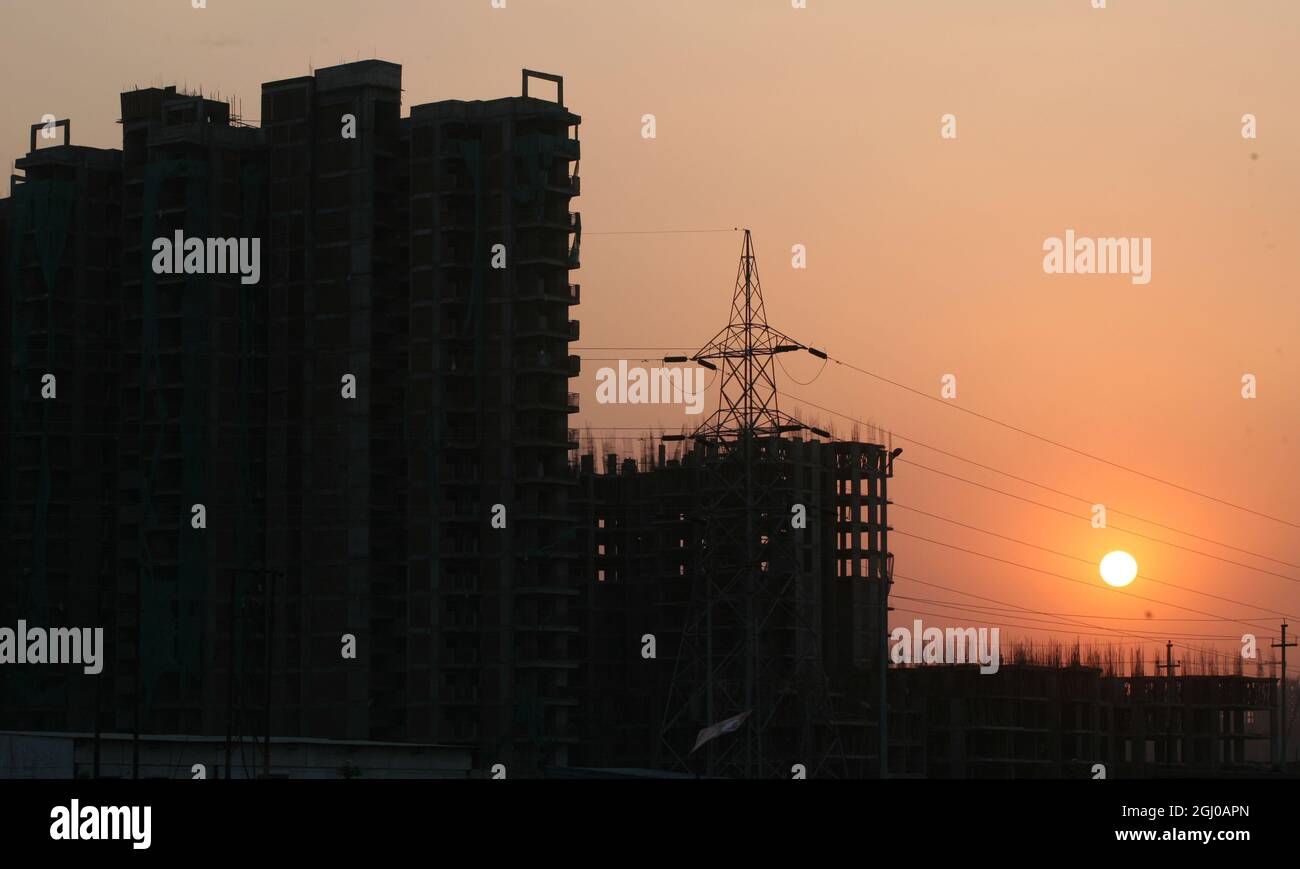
(230, 477)
(1072, 720)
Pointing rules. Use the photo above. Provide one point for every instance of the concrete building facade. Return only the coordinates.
(238, 479)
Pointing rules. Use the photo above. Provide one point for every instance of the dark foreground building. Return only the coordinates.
(1072, 720)
(273, 487)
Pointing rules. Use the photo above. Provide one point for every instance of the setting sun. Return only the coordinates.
(1118, 569)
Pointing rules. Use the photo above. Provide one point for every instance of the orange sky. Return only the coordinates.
(821, 127)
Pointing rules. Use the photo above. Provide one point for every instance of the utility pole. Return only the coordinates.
(1281, 718)
(1169, 666)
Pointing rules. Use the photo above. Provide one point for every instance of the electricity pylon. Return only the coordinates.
(750, 645)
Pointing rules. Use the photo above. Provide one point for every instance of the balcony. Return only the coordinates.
(461, 697)
(575, 293)
(452, 257)
(544, 475)
(458, 437)
(465, 624)
(547, 588)
(552, 512)
(574, 399)
(460, 549)
(540, 362)
(465, 731)
(574, 330)
(546, 327)
(541, 661)
(548, 436)
(460, 658)
(541, 399)
(462, 583)
(551, 218)
(565, 183)
(552, 253)
(575, 366)
(541, 290)
(457, 219)
(459, 511)
(453, 182)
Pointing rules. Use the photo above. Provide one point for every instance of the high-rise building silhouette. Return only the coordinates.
(192, 401)
(492, 581)
(335, 486)
(59, 317)
(234, 478)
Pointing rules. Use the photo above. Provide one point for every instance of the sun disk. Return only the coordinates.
(1118, 569)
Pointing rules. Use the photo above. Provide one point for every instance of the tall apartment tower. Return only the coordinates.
(337, 356)
(369, 443)
(493, 584)
(191, 401)
(58, 317)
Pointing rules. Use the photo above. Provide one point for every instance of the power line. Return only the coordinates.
(1026, 609)
(1044, 548)
(1035, 484)
(585, 233)
(1039, 437)
(816, 376)
(1012, 608)
(676, 346)
(1003, 623)
(998, 613)
(1204, 650)
(1114, 527)
(1095, 587)
(1064, 446)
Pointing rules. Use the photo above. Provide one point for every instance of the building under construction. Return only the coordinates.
(236, 481)
(814, 624)
(1046, 713)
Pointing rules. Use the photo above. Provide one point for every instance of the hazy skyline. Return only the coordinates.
(821, 127)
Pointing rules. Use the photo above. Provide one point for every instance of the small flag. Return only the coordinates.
(713, 731)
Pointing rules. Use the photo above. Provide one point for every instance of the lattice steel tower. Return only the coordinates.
(750, 643)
